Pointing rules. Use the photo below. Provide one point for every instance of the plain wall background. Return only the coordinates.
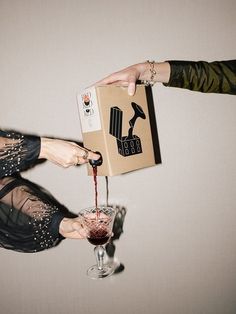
(179, 240)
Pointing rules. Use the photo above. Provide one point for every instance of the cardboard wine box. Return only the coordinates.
(121, 127)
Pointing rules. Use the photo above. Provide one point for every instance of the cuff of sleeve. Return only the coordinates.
(173, 73)
(33, 147)
(55, 223)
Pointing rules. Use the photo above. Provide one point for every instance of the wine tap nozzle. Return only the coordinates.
(94, 163)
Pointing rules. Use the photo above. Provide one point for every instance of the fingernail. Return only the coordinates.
(131, 93)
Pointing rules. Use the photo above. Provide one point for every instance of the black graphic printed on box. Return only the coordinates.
(129, 144)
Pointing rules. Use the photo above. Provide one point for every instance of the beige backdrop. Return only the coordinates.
(179, 241)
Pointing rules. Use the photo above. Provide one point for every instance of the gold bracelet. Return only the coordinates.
(151, 82)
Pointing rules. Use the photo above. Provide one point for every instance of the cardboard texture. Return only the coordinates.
(121, 127)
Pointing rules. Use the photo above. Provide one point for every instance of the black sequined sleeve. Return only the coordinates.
(202, 76)
(29, 216)
(17, 152)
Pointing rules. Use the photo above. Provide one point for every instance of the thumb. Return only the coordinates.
(132, 85)
(77, 226)
(131, 88)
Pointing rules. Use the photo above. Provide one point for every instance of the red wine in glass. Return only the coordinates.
(98, 237)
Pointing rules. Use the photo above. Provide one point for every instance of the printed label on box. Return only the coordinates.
(89, 111)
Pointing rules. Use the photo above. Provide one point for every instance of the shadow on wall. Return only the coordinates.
(117, 231)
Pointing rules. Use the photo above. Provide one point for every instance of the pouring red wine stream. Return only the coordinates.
(94, 164)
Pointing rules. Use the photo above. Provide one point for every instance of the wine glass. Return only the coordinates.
(98, 223)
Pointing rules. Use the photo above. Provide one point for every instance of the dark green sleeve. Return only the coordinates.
(205, 77)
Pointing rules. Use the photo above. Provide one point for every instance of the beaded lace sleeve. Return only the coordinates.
(17, 152)
(29, 216)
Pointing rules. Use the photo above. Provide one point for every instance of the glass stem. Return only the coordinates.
(99, 254)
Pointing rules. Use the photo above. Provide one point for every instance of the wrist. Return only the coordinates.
(163, 69)
(153, 72)
(150, 73)
(144, 69)
(44, 148)
(63, 226)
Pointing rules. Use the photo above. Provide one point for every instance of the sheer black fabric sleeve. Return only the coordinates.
(17, 152)
(29, 216)
(202, 76)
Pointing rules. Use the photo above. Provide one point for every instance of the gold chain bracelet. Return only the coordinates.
(151, 82)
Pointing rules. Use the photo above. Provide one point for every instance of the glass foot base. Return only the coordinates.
(94, 273)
